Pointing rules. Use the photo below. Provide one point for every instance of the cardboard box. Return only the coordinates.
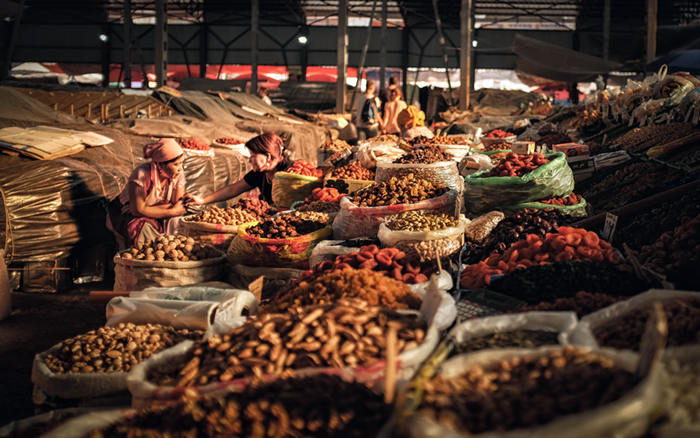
(523, 147)
(574, 151)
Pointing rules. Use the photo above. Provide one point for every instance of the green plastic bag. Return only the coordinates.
(293, 252)
(287, 188)
(552, 179)
(578, 210)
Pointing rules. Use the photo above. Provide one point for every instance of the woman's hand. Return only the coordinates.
(178, 208)
(191, 199)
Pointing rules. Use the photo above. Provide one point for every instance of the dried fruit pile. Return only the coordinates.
(503, 146)
(583, 303)
(319, 206)
(498, 133)
(327, 194)
(115, 349)
(306, 169)
(563, 201)
(639, 139)
(673, 248)
(336, 145)
(353, 170)
(406, 190)
(450, 141)
(428, 154)
(194, 144)
(420, 220)
(258, 207)
(553, 138)
(497, 158)
(318, 405)
(229, 140)
(171, 249)
(373, 287)
(621, 175)
(346, 333)
(283, 227)
(224, 216)
(516, 165)
(511, 339)
(525, 392)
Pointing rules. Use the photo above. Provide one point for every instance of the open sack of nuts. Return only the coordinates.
(422, 233)
(348, 334)
(429, 163)
(622, 325)
(96, 363)
(168, 261)
(285, 241)
(361, 215)
(551, 392)
(554, 178)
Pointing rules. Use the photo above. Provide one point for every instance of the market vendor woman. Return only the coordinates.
(411, 122)
(154, 197)
(267, 157)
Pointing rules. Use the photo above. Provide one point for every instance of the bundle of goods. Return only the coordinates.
(318, 405)
(426, 154)
(509, 339)
(498, 234)
(502, 392)
(673, 248)
(228, 141)
(547, 283)
(427, 234)
(304, 168)
(389, 261)
(336, 145)
(373, 287)
(407, 190)
(519, 178)
(346, 333)
(170, 248)
(640, 139)
(568, 244)
(332, 151)
(353, 170)
(295, 184)
(583, 303)
(498, 133)
(195, 145)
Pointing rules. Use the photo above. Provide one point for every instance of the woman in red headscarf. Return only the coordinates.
(267, 157)
(154, 195)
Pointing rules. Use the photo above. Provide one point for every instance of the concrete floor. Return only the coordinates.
(37, 322)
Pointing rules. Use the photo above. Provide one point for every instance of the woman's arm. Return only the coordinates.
(228, 192)
(138, 207)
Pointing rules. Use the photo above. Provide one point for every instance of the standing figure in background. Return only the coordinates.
(391, 112)
(386, 94)
(365, 114)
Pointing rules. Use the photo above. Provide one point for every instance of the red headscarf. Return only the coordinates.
(164, 150)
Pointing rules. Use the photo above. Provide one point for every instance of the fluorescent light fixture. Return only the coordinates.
(474, 43)
(104, 38)
(302, 40)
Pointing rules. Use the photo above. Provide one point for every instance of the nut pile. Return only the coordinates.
(674, 248)
(406, 190)
(563, 201)
(370, 286)
(516, 165)
(497, 158)
(258, 207)
(564, 279)
(511, 339)
(336, 145)
(639, 139)
(583, 303)
(353, 170)
(438, 140)
(194, 144)
(390, 261)
(626, 332)
(318, 405)
(621, 175)
(427, 154)
(681, 395)
(309, 216)
(525, 392)
(229, 140)
(346, 333)
(319, 206)
(384, 138)
(420, 220)
(478, 229)
(503, 146)
(170, 249)
(115, 349)
(304, 168)
(224, 216)
(286, 226)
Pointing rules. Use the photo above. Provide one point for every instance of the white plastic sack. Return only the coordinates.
(328, 250)
(426, 244)
(444, 173)
(584, 334)
(627, 417)
(81, 426)
(369, 153)
(139, 274)
(354, 221)
(191, 315)
(43, 418)
(188, 293)
(447, 312)
(563, 323)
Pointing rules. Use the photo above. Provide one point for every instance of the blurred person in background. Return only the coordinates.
(365, 114)
(391, 112)
(411, 123)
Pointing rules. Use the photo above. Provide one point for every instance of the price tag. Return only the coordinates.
(654, 339)
(431, 302)
(609, 228)
(256, 288)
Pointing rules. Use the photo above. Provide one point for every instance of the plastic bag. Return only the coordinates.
(563, 323)
(584, 334)
(139, 274)
(447, 311)
(329, 250)
(354, 221)
(217, 235)
(478, 229)
(444, 173)
(482, 160)
(429, 245)
(188, 293)
(290, 187)
(368, 153)
(628, 416)
(679, 397)
(578, 210)
(552, 179)
(277, 253)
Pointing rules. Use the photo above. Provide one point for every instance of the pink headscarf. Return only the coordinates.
(165, 149)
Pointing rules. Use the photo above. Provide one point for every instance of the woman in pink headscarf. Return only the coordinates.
(153, 196)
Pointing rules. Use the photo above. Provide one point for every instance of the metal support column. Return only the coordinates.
(128, 38)
(106, 53)
(465, 54)
(382, 49)
(652, 11)
(304, 55)
(7, 62)
(606, 29)
(161, 43)
(445, 59)
(203, 48)
(342, 54)
(405, 39)
(254, 29)
(365, 48)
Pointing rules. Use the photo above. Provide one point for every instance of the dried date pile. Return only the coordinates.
(639, 139)
(621, 175)
(503, 146)
(511, 339)
(319, 206)
(315, 406)
(229, 141)
(525, 392)
(450, 141)
(405, 190)
(626, 332)
(115, 349)
(553, 138)
(349, 332)
(285, 226)
(258, 207)
(370, 286)
(353, 170)
(516, 165)
(428, 154)
(170, 248)
(547, 283)
(583, 303)
(673, 248)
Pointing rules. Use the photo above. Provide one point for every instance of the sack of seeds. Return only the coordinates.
(444, 173)
(423, 233)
